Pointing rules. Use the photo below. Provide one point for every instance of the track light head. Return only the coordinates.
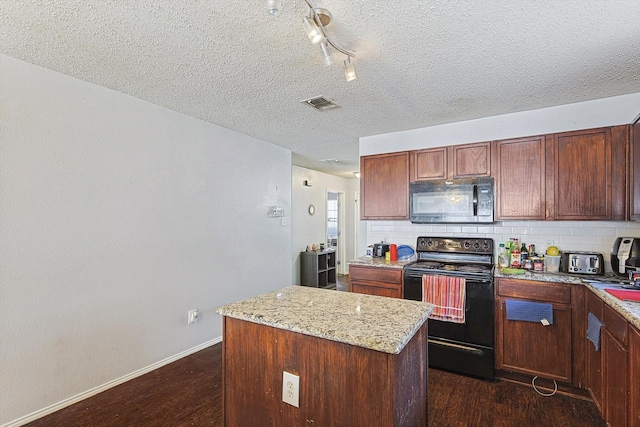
(326, 53)
(313, 31)
(273, 7)
(349, 70)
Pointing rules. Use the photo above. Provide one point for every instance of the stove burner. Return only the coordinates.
(428, 265)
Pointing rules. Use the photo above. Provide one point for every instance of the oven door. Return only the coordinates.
(479, 310)
(464, 348)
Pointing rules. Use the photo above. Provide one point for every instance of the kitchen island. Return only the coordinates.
(361, 360)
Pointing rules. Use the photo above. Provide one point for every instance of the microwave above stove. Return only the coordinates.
(451, 201)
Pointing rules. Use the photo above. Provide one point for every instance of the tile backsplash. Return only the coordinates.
(593, 236)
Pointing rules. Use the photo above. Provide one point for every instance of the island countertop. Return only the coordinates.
(372, 322)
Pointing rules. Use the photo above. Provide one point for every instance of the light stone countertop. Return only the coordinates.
(628, 309)
(378, 262)
(376, 323)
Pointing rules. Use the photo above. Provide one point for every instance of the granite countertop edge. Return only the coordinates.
(378, 262)
(372, 322)
(628, 309)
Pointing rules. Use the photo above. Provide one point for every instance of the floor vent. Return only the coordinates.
(320, 103)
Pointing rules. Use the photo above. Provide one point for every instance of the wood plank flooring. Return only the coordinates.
(188, 393)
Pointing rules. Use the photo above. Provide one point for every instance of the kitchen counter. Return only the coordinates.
(372, 322)
(378, 262)
(628, 309)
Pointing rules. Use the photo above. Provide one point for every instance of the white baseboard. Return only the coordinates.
(84, 395)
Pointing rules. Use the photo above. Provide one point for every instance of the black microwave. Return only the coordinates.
(451, 201)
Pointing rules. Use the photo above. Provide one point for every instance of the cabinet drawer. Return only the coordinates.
(540, 291)
(615, 324)
(375, 274)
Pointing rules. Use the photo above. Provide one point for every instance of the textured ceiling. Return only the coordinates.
(419, 63)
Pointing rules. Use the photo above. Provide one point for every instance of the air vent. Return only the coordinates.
(320, 103)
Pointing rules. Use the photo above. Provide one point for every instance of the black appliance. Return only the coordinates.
(451, 201)
(625, 255)
(380, 249)
(466, 348)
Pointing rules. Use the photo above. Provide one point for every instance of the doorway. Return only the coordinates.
(335, 228)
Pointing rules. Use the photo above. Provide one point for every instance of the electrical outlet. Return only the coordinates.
(192, 316)
(291, 389)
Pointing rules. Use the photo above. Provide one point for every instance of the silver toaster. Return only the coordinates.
(582, 263)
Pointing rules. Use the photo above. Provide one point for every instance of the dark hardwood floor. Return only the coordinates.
(188, 393)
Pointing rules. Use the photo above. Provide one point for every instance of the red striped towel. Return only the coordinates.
(447, 294)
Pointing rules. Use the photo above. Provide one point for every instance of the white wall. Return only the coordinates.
(568, 235)
(117, 217)
(583, 115)
(308, 229)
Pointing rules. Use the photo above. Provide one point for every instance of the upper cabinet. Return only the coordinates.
(384, 186)
(586, 173)
(634, 170)
(457, 161)
(577, 175)
(591, 174)
(519, 172)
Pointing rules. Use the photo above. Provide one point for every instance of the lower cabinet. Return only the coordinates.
(593, 355)
(634, 377)
(614, 371)
(533, 348)
(381, 281)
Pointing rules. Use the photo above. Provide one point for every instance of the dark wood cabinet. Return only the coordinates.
(470, 160)
(456, 161)
(384, 186)
(429, 164)
(581, 171)
(340, 384)
(519, 172)
(381, 281)
(634, 377)
(593, 355)
(615, 369)
(634, 172)
(554, 352)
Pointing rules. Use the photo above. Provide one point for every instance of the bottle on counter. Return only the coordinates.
(503, 260)
(516, 260)
(524, 254)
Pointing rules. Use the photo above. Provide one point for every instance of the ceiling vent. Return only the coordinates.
(320, 103)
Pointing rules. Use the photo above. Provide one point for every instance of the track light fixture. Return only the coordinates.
(273, 7)
(314, 26)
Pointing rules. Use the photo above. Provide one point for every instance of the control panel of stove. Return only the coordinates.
(454, 244)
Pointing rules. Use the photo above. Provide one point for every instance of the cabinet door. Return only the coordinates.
(384, 186)
(429, 164)
(634, 377)
(535, 349)
(580, 166)
(594, 358)
(634, 169)
(470, 160)
(519, 172)
(616, 362)
(380, 289)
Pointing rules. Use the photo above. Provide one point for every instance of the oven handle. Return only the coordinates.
(475, 200)
(461, 347)
(419, 276)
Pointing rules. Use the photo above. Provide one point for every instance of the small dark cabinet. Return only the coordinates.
(318, 269)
